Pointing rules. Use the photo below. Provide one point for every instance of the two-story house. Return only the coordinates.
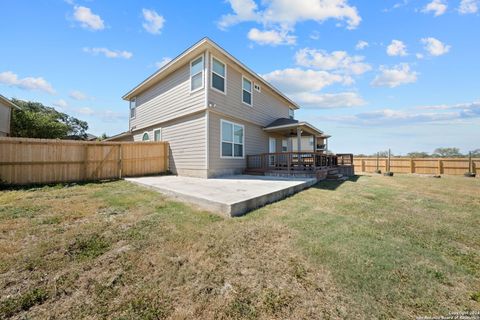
(214, 111)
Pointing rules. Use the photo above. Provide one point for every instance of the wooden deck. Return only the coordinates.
(290, 162)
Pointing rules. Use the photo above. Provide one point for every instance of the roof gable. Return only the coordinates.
(190, 53)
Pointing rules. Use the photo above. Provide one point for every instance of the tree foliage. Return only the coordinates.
(476, 153)
(35, 120)
(447, 153)
(418, 154)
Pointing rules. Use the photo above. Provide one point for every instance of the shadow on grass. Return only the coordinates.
(333, 184)
(59, 185)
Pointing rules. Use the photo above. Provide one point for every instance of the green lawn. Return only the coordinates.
(372, 247)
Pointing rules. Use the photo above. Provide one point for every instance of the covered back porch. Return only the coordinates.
(297, 148)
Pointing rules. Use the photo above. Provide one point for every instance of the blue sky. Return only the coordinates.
(397, 74)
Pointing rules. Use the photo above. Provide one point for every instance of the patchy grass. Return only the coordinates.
(373, 247)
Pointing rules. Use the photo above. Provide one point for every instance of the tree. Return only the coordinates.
(382, 154)
(102, 137)
(476, 153)
(35, 120)
(418, 154)
(447, 153)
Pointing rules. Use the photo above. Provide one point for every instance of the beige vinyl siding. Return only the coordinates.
(256, 141)
(186, 137)
(267, 106)
(305, 144)
(4, 119)
(169, 99)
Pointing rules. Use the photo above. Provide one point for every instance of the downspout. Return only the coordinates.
(207, 113)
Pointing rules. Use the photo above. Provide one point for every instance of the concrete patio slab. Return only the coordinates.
(230, 195)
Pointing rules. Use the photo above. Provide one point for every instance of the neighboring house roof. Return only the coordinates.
(181, 59)
(87, 137)
(119, 136)
(8, 102)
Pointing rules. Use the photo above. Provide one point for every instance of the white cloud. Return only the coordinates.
(109, 53)
(271, 37)
(303, 86)
(293, 80)
(397, 48)
(105, 115)
(438, 7)
(162, 62)
(468, 6)
(389, 117)
(419, 56)
(87, 18)
(361, 45)
(315, 35)
(78, 95)
(435, 47)
(29, 83)
(328, 100)
(244, 10)
(395, 76)
(153, 21)
(336, 60)
(61, 104)
(284, 14)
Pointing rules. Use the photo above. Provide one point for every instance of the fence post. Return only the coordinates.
(120, 162)
(412, 166)
(389, 154)
(440, 166)
(363, 165)
(85, 163)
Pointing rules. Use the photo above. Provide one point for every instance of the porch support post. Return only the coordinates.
(299, 139)
(314, 143)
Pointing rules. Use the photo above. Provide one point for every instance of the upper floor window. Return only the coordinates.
(246, 91)
(145, 137)
(133, 108)
(219, 73)
(291, 113)
(157, 135)
(232, 139)
(196, 74)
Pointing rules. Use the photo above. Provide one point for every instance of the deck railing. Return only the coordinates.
(293, 161)
(345, 159)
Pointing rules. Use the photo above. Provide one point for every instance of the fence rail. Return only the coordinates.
(30, 161)
(448, 166)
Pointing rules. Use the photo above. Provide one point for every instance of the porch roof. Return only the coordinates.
(289, 126)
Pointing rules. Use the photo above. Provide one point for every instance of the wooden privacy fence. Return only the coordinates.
(30, 161)
(448, 166)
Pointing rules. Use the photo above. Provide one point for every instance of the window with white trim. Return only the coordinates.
(232, 139)
(291, 113)
(246, 91)
(219, 73)
(145, 136)
(196, 74)
(133, 108)
(157, 135)
(284, 145)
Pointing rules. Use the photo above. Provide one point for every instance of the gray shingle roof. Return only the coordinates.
(281, 122)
